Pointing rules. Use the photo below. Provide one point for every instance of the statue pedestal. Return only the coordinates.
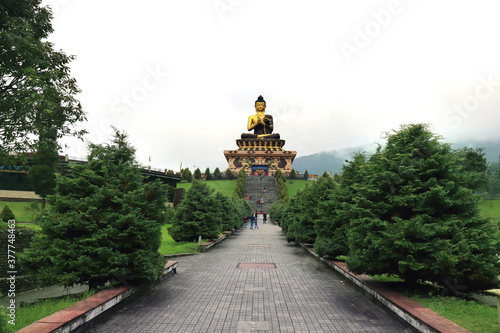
(260, 157)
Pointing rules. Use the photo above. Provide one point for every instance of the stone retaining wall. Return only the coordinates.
(22, 241)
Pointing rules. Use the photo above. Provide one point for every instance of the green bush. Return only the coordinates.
(333, 221)
(7, 214)
(413, 217)
(239, 190)
(304, 213)
(197, 215)
(103, 224)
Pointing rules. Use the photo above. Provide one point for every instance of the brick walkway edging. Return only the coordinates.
(205, 247)
(81, 314)
(416, 315)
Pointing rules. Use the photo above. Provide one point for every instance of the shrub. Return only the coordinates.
(412, 216)
(197, 215)
(7, 214)
(102, 225)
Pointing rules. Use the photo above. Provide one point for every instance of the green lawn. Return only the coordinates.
(476, 317)
(26, 315)
(20, 210)
(491, 209)
(169, 246)
(295, 185)
(225, 186)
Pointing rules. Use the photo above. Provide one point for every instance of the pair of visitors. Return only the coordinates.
(253, 222)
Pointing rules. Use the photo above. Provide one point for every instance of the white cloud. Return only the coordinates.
(421, 61)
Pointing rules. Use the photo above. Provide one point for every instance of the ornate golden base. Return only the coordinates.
(260, 156)
(260, 144)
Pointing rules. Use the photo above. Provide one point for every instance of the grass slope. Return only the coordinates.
(20, 210)
(491, 209)
(226, 187)
(169, 246)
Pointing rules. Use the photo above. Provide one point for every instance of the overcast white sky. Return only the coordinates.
(181, 77)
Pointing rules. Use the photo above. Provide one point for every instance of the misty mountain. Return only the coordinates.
(332, 161)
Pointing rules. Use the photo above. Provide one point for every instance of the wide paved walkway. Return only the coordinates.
(227, 290)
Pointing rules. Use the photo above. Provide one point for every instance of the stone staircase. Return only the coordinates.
(253, 188)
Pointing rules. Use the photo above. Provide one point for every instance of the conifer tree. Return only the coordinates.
(302, 224)
(229, 174)
(45, 165)
(197, 174)
(197, 215)
(412, 216)
(208, 175)
(7, 214)
(187, 175)
(494, 180)
(103, 224)
(239, 189)
(334, 217)
(217, 174)
(474, 168)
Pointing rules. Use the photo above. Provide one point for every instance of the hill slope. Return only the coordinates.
(332, 161)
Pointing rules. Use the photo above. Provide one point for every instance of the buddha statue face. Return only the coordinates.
(260, 106)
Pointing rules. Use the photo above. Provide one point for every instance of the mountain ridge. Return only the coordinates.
(332, 161)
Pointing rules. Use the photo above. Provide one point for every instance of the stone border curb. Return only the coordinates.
(168, 256)
(205, 247)
(417, 316)
(84, 312)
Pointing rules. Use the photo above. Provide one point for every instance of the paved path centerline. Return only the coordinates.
(210, 293)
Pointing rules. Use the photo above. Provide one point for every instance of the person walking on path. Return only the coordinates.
(256, 225)
(244, 221)
(265, 218)
(252, 221)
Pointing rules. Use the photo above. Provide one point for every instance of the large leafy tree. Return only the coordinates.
(37, 93)
(413, 216)
(103, 224)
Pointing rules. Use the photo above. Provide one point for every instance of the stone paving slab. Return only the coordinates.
(210, 293)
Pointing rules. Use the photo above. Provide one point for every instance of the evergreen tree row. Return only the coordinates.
(409, 210)
(239, 190)
(207, 213)
(281, 185)
(188, 176)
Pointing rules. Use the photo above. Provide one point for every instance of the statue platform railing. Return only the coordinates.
(260, 144)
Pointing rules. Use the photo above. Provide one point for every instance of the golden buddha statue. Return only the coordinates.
(260, 123)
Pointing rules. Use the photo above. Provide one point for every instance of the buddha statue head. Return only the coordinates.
(260, 104)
